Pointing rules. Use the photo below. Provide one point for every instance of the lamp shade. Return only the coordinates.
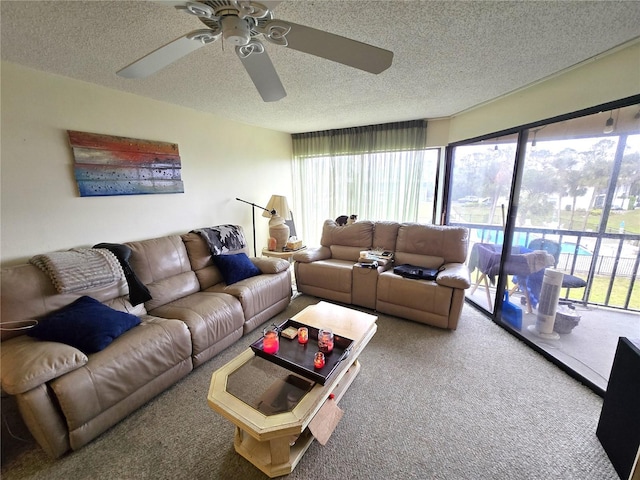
(280, 205)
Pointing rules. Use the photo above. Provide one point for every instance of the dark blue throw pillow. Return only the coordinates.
(85, 324)
(235, 267)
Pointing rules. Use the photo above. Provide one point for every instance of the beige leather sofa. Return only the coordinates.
(68, 398)
(329, 271)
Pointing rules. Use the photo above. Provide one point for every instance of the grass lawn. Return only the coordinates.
(618, 292)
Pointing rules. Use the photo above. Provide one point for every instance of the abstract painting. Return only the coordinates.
(107, 165)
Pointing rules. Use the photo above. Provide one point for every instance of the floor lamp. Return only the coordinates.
(253, 220)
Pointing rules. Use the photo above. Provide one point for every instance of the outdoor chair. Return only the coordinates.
(554, 249)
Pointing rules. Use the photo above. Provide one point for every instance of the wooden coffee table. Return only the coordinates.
(274, 439)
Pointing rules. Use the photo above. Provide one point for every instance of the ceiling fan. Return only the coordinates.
(241, 23)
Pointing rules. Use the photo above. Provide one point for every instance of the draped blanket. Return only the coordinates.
(138, 291)
(79, 268)
(223, 238)
(521, 262)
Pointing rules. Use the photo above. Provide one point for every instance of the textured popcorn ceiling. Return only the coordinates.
(448, 55)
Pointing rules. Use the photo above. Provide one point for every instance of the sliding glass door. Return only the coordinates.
(556, 200)
(480, 189)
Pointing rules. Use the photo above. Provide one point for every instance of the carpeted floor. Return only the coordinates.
(428, 404)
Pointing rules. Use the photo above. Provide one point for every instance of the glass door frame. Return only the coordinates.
(512, 210)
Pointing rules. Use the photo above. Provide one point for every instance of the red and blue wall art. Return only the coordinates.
(107, 165)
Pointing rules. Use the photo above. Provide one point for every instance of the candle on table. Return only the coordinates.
(325, 340)
(303, 335)
(270, 342)
(318, 360)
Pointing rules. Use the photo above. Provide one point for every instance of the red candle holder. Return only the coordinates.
(303, 335)
(318, 360)
(270, 342)
(325, 340)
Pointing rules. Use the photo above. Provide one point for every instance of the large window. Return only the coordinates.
(561, 195)
(380, 172)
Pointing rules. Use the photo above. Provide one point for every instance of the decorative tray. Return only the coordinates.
(298, 358)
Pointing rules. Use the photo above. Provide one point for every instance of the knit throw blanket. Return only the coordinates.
(79, 268)
(223, 238)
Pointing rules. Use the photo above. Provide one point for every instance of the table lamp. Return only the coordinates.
(277, 210)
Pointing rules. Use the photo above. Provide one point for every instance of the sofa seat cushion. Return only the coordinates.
(235, 267)
(210, 317)
(85, 324)
(329, 274)
(423, 295)
(259, 293)
(132, 361)
(27, 362)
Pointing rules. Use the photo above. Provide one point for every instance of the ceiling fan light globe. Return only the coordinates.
(235, 31)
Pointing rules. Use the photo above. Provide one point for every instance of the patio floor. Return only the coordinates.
(590, 347)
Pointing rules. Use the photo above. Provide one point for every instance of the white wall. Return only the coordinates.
(41, 209)
(604, 79)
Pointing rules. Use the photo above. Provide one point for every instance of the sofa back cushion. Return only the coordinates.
(385, 235)
(359, 235)
(201, 258)
(27, 294)
(162, 264)
(340, 252)
(431, 245)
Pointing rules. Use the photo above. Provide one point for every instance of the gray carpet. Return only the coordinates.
(428, 404)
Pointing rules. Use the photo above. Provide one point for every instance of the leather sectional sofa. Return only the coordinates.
(67, 397)
(330, 271)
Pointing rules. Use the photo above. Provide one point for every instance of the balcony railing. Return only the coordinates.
(608, 262)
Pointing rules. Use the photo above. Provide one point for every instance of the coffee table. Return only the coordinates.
(271, 406)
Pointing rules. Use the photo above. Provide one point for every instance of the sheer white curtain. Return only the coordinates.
(373, 172)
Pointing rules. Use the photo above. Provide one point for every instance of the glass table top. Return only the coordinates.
(267, 387)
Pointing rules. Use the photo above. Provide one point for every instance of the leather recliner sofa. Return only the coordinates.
(330, 271)
(66, 397)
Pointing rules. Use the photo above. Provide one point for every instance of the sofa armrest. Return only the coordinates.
(454, 275)
(271, 265)
(27, 363)
(312, 254)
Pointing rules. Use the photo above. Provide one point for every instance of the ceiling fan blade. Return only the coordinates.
(167, 54)
(262, 72)
(334, 47)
